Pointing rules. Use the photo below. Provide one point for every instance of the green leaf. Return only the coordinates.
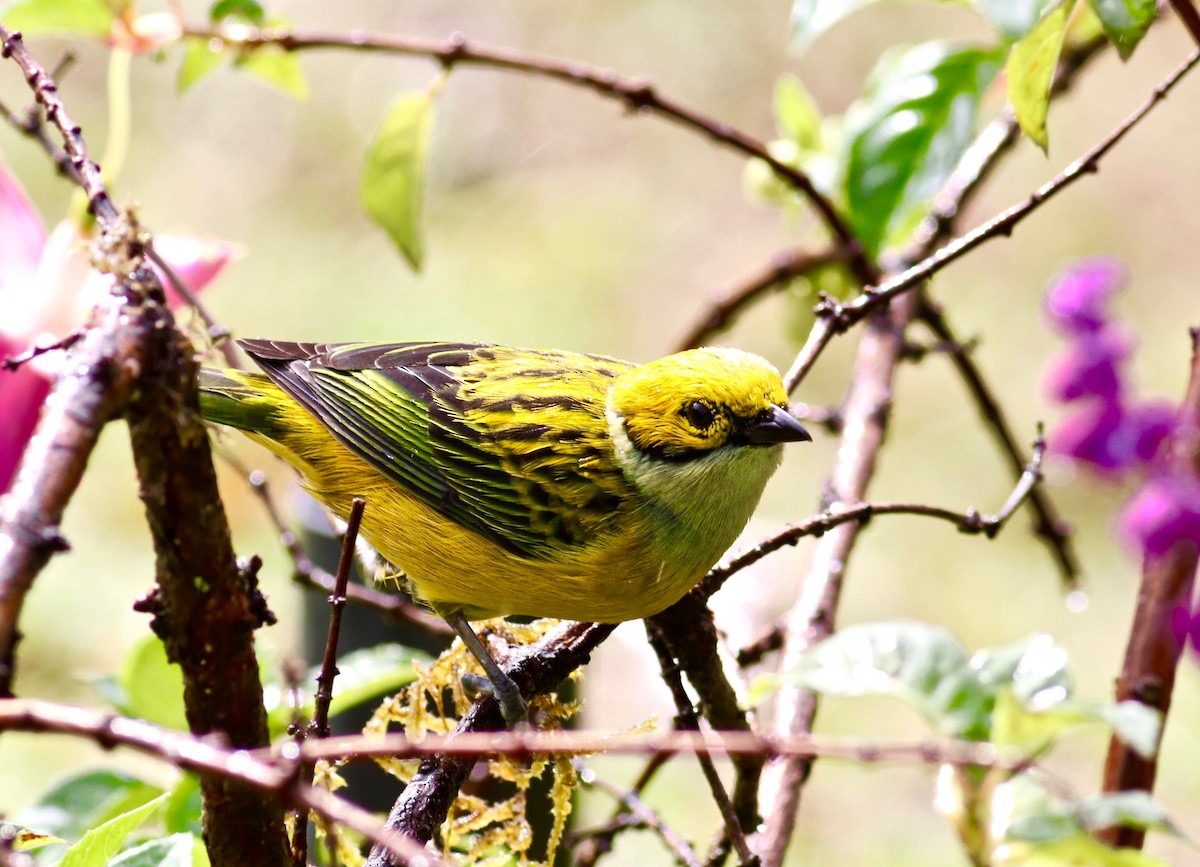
(1131, 809)
(1014, 18)
(922, 665)
(86, 17)
(243, 10)
(796, 113)
(279, 68)
(153, 687)
(1078, 850)
(178, 850)
(1125, 21)
(905, 138)
(393, 178)
(1134, 723)
(1030, 70)
(85, 801)
(182, 813)
(98, 845)
(200, 57)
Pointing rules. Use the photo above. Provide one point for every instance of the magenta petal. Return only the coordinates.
(1151, 424)
(1077, 302)
(1162, 513)
(1094, 433)
(1089, 367)
(22, 236)
(22, 393)
(196, 261)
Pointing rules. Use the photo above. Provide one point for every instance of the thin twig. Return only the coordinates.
(729, 302)
(686, 720)
(636, 95)
(208, 759)
(647, 818)
(834, 317)
(15, 362)
(601, 839)
(217, 333)
(971, 521)
(319, 726)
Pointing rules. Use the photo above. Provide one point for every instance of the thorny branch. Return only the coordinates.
(318, 727)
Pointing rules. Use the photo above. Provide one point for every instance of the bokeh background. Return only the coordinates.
(554, 218)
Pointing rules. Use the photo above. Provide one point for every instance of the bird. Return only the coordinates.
(507, 481)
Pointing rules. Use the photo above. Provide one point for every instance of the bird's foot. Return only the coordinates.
(513, 706)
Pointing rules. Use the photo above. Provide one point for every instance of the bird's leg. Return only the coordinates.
(497, 684)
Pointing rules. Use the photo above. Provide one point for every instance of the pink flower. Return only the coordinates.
(47, 287)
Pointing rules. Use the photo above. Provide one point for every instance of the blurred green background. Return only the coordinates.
(554, 218)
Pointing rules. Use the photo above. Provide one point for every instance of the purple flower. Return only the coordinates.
(1163, 512)
(1090, 366)
(1078, 301)
(1112, 437)
(47, 287)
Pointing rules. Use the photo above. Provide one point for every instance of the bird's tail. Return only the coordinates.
(247, 401)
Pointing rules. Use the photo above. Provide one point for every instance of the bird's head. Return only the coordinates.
(689, 404)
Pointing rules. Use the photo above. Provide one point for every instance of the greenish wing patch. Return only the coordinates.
(512, 444)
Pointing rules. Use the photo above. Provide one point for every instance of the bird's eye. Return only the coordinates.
(699, 415)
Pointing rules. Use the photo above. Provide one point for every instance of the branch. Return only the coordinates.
(970, 521)
(640, 815)
(319, 725)
(1186, 10)
(811, 618)
(206, 608)
(636, 95)
(425, 801)
(209, 760)
(1152, 654)
(834, 318)
(728, 303)
(686, 720)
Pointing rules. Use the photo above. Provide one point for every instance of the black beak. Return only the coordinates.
(776, 425)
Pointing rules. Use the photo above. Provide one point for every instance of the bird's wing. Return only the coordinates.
(511, 443)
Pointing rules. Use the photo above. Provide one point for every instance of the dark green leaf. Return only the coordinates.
(393, 178)
(98, 845)
(1014, 18)
(200, 57)
(1030, 70)
(244, 10)
(922, 665)
(178, 850)
(905, 138)
(85, 801)
(1125, 21)
(86, 17)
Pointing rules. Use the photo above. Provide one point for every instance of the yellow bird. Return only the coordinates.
(519, 481)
